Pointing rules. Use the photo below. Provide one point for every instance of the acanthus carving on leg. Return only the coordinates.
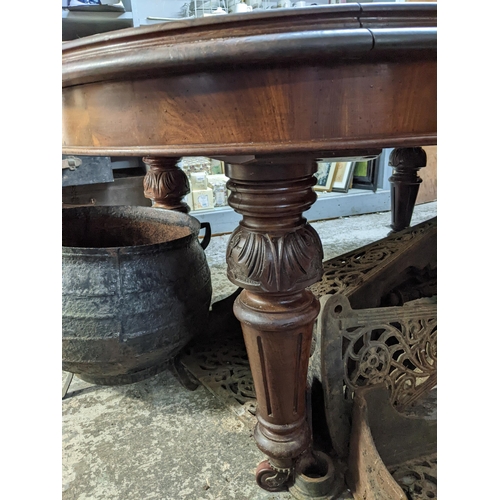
(273, 262)
(404, 184)
(275, 255)
(166, 184)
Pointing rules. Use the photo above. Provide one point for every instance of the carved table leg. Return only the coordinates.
(404, 184)
(166, 184)
(274, 255)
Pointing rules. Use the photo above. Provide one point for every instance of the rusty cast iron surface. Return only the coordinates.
(136, 288)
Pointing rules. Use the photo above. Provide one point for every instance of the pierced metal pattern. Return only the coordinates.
(346, 273)
(400, 352)
(418, 478)
(222, 366)
(396, 346)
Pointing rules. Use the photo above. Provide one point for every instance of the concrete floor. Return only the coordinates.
(155, 440)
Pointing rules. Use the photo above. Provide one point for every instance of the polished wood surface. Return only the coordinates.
(428, 188)
(279, 36)
(322, 79)
(259, 110)
(275, 255)
(269, 93)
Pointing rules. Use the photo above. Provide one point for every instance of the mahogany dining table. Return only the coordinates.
(270, 93)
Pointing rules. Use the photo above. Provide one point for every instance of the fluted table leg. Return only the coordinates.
(274, 255)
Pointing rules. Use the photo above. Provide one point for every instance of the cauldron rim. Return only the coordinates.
(130, 212)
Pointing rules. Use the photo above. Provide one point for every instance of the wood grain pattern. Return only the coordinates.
(428, 188)
(239, 112)
(319, 80)
(278, 333)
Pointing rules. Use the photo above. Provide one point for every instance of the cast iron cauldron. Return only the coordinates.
(135, 289)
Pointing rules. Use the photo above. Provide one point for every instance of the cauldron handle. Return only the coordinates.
(208, 234)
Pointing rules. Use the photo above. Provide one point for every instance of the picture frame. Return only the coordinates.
(343, 177)
(324, 176)
(365, 174)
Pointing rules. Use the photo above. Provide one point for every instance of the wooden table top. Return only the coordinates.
(321, 80)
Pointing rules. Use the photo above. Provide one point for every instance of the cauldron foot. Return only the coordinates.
(182, 374)
(67, 383)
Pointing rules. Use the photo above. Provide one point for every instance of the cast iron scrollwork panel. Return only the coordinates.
(396, 346)
(221, 364)
(418, 478)
(401, 353)
(346, 273)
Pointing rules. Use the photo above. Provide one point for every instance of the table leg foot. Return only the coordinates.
(272, 478)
